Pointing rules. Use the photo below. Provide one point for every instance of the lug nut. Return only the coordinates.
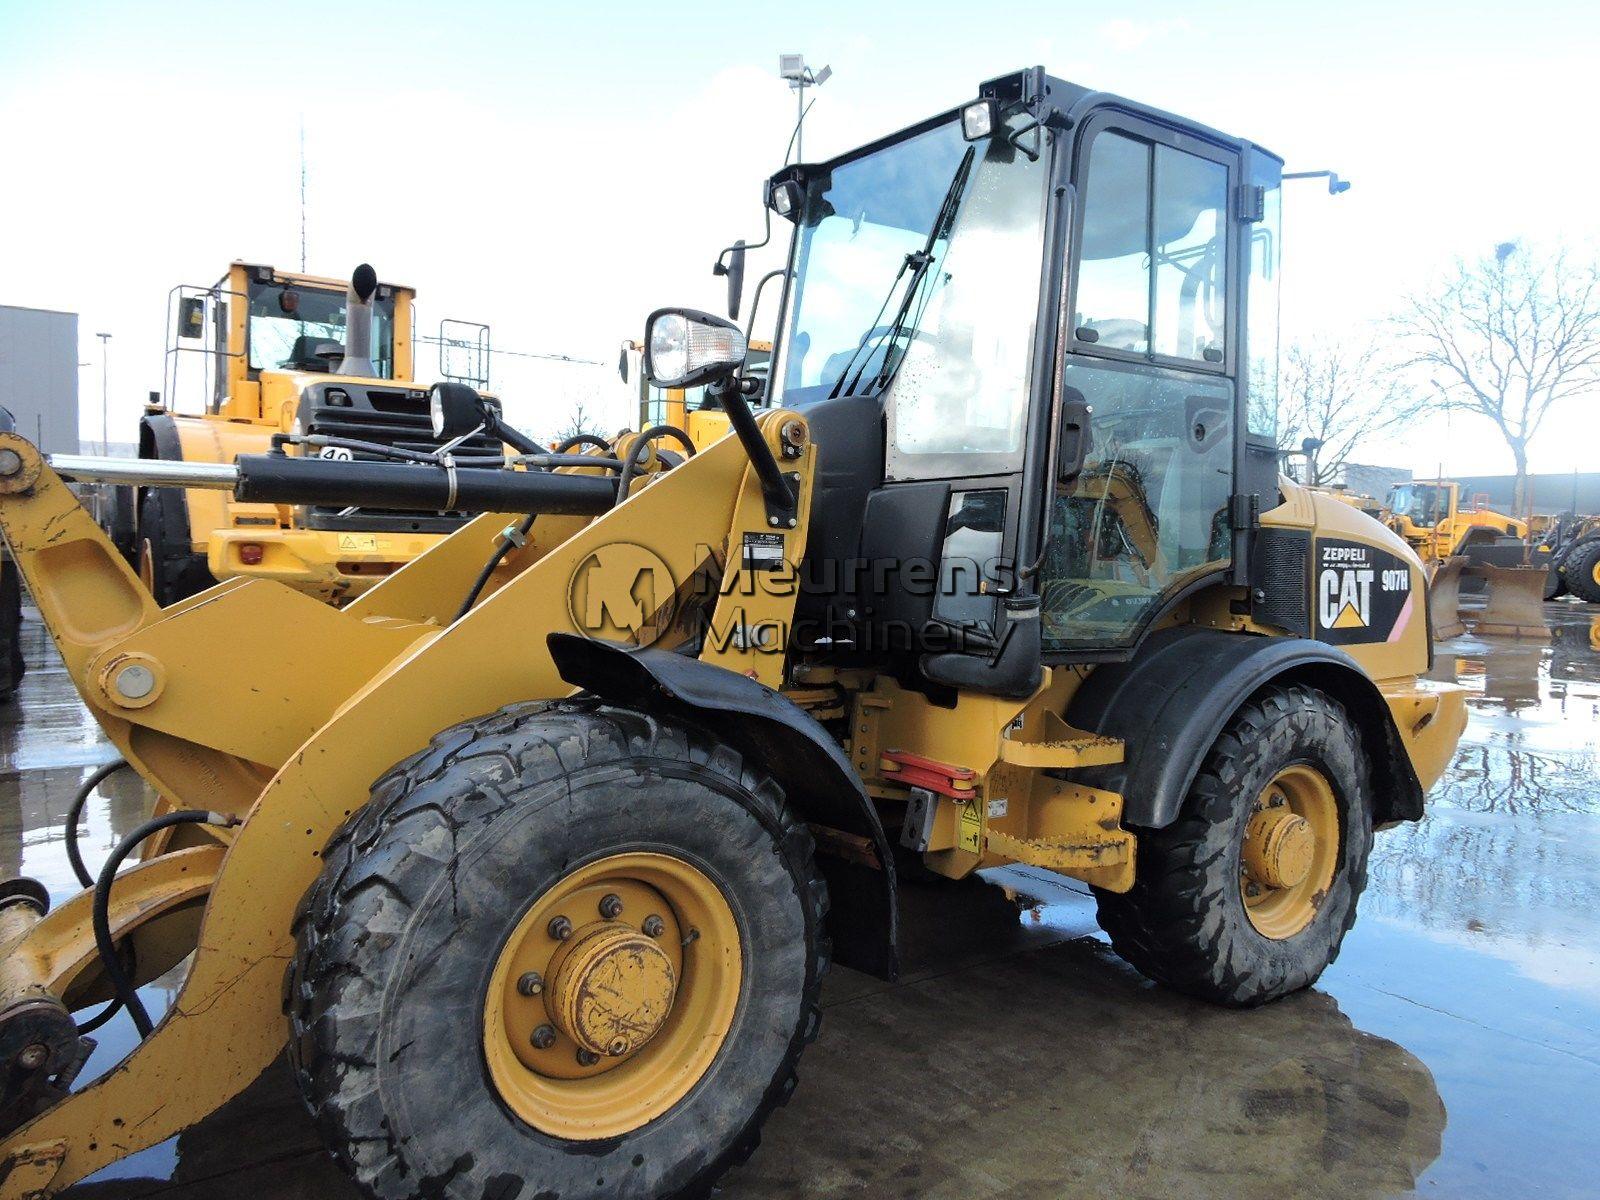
(531, 984)
(33, 1057)
(587, 1058)
(560, 928)
(611, 907)
(653, 926)
(544, 1037)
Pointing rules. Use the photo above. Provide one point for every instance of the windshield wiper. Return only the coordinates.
(917, 263)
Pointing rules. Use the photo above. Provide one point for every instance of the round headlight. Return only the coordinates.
(454, 409)
(669, 346)
(436, 411)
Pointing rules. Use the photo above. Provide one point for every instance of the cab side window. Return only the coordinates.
(1152, 276)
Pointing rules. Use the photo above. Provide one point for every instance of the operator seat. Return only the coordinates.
(313, 354)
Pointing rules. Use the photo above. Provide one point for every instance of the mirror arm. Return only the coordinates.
(780, 495)
(755, 303)
(720, 267)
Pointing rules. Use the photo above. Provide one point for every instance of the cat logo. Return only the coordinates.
(1363, 594)
(1344, 598)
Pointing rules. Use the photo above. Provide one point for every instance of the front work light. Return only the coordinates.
(785, 199)
(980, 119)
(684, 348)
(456, 410)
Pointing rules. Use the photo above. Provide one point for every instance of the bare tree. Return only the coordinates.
(1507, 337)
(1339, 394)
(578, 422)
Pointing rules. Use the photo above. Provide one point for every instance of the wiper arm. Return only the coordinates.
(918, 263)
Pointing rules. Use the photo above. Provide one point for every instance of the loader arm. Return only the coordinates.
(292, 736)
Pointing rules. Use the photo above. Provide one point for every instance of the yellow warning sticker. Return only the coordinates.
(969, 835)
(359, 542)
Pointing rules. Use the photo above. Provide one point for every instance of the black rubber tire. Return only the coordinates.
(123, 523)
(397, 941)
(177, 572)
(1579, 569)
(12, 664)
(1184, 923)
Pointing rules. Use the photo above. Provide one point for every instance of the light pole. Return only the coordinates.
(793, 68)
(105, 392)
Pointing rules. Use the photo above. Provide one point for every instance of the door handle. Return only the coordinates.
(1072, 437)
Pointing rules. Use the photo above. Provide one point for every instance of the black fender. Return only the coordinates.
(788, 742)
(1170, 702)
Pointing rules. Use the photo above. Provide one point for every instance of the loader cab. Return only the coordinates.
(1036, 339)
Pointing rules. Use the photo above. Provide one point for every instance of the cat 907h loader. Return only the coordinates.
(535, 854)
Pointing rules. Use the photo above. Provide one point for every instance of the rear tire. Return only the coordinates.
(389, 996)
(1581, 572)
(1185, 922)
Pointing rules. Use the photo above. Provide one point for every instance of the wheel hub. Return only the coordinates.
(611, 989)
(1278, 848)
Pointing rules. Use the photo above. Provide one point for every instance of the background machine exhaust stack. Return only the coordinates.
(358, 324)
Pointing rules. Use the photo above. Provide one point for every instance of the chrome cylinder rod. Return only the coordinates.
(79, 468)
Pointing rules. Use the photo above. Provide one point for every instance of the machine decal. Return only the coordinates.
(763, 552)
(1361, 593)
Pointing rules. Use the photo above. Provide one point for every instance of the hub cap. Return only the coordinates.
(612, 996)
(1289, 854)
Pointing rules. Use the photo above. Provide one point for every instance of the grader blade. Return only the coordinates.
(299, 750)
(1444, 599)
(1515, 606)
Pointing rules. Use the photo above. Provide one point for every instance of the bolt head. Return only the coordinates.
(587, 1058)
(653, 926)
(10, 463)
(543, 1037)
(611, 907)
(531, 984)
(560, 928)
(33, 1057)
(618, 1048)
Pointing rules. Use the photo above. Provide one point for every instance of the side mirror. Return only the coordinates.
(192, 317)
(456, 409)
(731, 264)
(684, 348)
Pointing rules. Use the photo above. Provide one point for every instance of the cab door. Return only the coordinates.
(1151, 333)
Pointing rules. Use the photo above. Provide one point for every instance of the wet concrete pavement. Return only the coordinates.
(1453, 1050)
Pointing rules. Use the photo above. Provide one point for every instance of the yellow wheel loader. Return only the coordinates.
(1430, 516)
(534, 856)
(272, 356)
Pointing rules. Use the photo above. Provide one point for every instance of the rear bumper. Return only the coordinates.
(329, 564)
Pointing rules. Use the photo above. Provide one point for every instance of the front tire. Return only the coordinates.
(1582, 572)
(414, 1018)
(1247, 896)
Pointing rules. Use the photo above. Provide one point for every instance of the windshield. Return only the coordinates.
(917, 268)
(297, 328)
(1418, 502)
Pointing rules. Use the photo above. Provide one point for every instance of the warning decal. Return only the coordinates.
(1361, 593)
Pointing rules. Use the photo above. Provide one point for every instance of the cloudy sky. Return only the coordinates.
(558, 171)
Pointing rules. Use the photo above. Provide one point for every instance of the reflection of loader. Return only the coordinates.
(541, 907)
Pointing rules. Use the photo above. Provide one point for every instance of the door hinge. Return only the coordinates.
(1244, 511)
(1250, 202)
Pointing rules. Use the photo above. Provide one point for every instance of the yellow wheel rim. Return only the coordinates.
(612, 996)
(1290, 851)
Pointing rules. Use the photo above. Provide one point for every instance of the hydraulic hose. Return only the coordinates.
(75, 815)
(636, 452)
(495, 559)
(110, 961)
(582, 439)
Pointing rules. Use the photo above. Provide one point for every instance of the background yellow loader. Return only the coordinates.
(535, 854)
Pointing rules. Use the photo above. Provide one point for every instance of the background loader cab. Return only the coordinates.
(1428, 514)
(265, 352)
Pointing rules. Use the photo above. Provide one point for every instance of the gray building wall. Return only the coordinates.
(39, 375)
(1550, 493)
(1367, 479)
